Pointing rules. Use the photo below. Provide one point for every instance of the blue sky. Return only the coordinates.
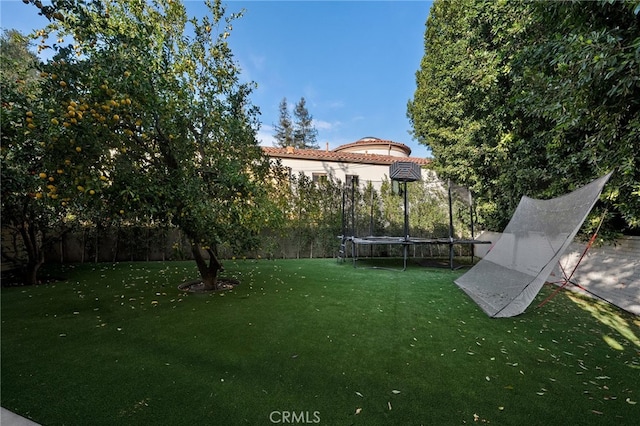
(353, 61)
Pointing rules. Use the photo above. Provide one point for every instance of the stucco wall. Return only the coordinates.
(365, 172)
(610, 271)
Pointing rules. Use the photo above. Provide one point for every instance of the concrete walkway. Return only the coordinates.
(8, 418)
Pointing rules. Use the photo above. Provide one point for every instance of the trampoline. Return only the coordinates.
(406, 243)
(403, 172)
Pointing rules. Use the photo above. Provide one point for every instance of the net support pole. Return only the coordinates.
(405, 247)
(344, 217)
(473, 236)
(353, 208)
(406, 214)
(450, 226)
(370, 187)
(567, 278)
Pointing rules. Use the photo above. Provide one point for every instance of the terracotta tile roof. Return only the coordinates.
(370, 141)
(339, 157)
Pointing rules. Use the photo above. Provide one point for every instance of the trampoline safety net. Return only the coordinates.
(508, 278)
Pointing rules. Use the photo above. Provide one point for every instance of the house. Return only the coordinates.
(365, 160)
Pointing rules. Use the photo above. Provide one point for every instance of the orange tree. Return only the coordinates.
(144, 119)
(32, 217)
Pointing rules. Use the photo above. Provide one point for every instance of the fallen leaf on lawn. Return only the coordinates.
(358, 410)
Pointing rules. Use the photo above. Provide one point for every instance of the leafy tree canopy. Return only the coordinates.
(31, 220)
(533, 98)
(144, 119)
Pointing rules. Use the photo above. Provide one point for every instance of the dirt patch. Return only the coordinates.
(197, 286)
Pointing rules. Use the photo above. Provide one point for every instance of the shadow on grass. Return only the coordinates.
(612, 317)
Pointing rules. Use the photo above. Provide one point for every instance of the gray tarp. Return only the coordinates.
(510, 276)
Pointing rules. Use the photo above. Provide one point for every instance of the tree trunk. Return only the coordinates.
(208, 273)
(116, 245)
(84, 247)
(97, 245)
(148, 242)
(35, 254)
(31, 273)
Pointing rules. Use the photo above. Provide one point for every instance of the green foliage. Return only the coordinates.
(301, 133)
(31, 211)
(305, 135)
(284, 129)
(532, 98)
(314, 213)
(591, 117)
(427, 205)
(143, 119)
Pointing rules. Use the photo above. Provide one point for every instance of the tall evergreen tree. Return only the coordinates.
(533, 98)
(284, 128)
(305, 134)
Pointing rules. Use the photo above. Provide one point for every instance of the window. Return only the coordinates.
(351, 180)
(319, 177)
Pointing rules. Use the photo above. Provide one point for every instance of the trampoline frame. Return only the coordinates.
(407, 240)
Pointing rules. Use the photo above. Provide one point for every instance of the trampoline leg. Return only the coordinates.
(406, 249)
(451, 256)
(353, 253)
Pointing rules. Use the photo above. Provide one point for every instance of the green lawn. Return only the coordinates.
(120, 344)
